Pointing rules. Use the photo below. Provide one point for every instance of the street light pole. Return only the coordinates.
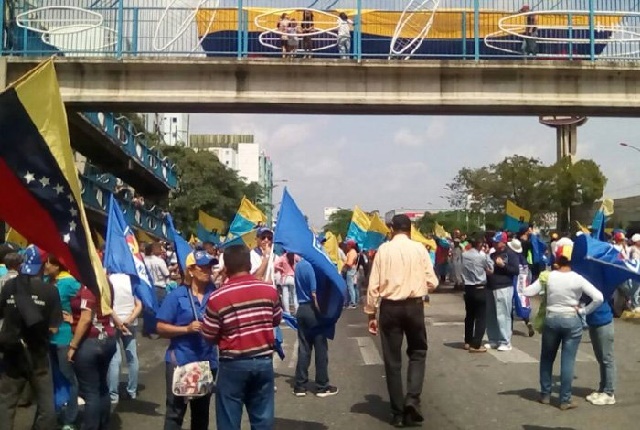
(626, 145)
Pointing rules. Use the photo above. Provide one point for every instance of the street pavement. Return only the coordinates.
(461, 390)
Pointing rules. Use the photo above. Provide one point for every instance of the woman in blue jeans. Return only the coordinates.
(563, 324)
(90, 351)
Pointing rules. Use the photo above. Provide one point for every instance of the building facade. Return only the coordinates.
(241, 153)
(173, 127)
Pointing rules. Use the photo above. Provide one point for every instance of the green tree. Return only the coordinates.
(528, 183)
(576, 184)
(339, 222)
(204, 184)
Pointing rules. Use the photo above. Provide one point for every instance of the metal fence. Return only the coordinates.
(347, 29)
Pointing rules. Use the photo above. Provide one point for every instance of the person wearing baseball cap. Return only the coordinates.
(32, 313)
(180, 320)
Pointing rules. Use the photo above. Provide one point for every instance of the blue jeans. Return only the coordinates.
(568, 332)
(91, 364)
(131, 353)
(602, 343)
(250, 383)
(351, 286)
(634, 294)
(499, 307)
(66, 368)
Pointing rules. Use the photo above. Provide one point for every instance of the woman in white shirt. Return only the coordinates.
(562, 324)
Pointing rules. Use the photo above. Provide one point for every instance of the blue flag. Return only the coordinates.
(181, 246)
(122, 255)
(602, 264)
(294, 234)
(538, 248)
(597, 225)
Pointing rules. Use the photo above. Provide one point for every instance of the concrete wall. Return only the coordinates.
(523, 87)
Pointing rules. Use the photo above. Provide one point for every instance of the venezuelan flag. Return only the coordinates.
(515, 217)
(210, 228)
(247, 217)
(359, 226)
(39, 178)
(417, 236)
(377, 233)
(331, 248)
(440, 232)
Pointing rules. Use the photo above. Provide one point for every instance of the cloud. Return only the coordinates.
(434, 132)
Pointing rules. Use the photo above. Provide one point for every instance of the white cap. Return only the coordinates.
(635, 238)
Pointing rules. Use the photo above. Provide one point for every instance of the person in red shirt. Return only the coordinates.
(90, 351)
(240, 318)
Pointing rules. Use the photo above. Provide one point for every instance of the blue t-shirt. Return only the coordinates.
(305, 281)
(3, 270)
(68, 287)
(176, 310)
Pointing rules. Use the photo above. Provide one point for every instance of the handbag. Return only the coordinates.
(538, 321)
(193, 379)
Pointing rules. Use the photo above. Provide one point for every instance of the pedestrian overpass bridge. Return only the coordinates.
(246, 85)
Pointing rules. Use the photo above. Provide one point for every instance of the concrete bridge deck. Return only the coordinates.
(523, 87)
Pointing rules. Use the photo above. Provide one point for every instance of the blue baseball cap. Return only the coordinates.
(200, 257)
(34, 258)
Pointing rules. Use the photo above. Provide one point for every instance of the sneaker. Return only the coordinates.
(353, 307)
(477, 350)
(604, 399)
(68, 427)
(567, 406)
(299, 392)
(591, 397)
(544, 399)
(636, 310)
(506, 347)
(326, 392)
(490, 345)
(466, 347)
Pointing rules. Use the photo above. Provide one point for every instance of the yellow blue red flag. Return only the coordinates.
(40, 180)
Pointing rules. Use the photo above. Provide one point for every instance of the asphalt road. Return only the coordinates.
(461, 390)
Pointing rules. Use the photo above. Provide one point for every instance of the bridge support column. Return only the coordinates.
(566, 134)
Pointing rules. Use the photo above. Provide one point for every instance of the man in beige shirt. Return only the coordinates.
(402, 274)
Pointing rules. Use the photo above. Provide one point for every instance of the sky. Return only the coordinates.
(393, 162)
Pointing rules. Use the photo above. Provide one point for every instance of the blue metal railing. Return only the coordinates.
(382, 29)
(96, 194)
(121, 132)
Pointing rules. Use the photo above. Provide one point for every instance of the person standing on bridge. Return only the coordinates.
(530, 44)
(401, 276)
(345, 26)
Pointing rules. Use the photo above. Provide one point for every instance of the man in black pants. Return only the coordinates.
(31, 310)
(402, 274)
(475, 266)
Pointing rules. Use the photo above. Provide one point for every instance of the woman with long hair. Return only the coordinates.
(563, 289)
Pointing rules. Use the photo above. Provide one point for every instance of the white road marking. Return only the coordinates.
(368, 351)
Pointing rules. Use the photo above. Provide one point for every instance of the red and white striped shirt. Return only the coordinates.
(241, 316)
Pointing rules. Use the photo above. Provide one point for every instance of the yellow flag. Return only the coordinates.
(193, 240)
(15, 237)
(377, 225)
(251, 212)
(417, 236)
(582, 228)
(439, 231)
(360, 219)
(331, 247)
(211, 224)
(99, 239)
(143, 237)
(607, 207)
